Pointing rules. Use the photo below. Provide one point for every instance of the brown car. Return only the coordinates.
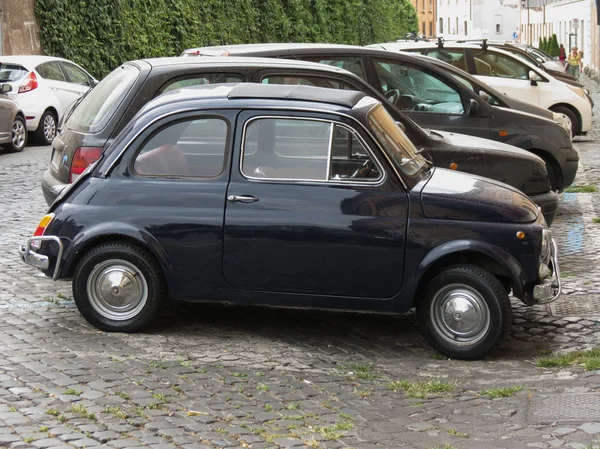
(13, 134)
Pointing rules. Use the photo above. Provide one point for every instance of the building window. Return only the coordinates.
(466, 33)
(430, 28)
(457, 25)
(498, 24)
(430, 5)
(448, 25)
(441, 30)
(423, 30)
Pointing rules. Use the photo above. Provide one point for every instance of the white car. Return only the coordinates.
(44, 87)
(511, 76)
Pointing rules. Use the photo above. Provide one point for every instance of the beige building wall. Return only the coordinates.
(426, 15)
(20, 31)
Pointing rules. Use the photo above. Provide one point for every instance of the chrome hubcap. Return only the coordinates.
(117, 289)
(568, 120)
(460, 314)
(18, 134)
(49, 127)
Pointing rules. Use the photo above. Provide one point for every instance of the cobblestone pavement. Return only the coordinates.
(219, 377)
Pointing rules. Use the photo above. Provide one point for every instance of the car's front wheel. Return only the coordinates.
(18, 138)
(570, 117)
(46, 130)
(465, 312)
(118, 287)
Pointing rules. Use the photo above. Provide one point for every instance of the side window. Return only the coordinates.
(490, 63)
(75, 74)
(189, 148)
(302, 80)
(454, 57)
(201, 80)
(491, 99)
(410, 88)
(353, 64)
(51, 71)
(305, 150)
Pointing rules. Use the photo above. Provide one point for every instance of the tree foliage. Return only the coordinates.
(553, 48)
(102, 34)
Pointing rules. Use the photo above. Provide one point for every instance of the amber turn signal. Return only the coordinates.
(453, 166)
(520, 235)
(503, 133)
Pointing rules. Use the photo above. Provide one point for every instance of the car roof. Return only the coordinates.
(250, 48)
(253, 91)
(29, 61)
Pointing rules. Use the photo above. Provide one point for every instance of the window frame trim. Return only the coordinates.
(378, 182)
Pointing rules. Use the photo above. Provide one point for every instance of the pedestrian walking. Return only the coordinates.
(573, 61)
(580, 61)
(562, 53)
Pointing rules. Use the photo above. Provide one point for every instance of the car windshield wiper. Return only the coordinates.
(417, 153)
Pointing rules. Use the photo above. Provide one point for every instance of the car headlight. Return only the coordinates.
(562, 121)
(578, 90)
(545, 244)
(586, 91)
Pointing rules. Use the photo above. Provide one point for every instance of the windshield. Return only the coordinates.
(398, 147)
(97, 108)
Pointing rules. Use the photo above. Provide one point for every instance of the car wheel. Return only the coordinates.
(46, 129)
(465, 312)
(118, 287)
(19, 136)
(570, 117)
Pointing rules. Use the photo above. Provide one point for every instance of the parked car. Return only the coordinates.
(105, 111)
(44, 87)
(554, 68)
(439, 96)
(292, 196)
(511, 76)
(13, 136)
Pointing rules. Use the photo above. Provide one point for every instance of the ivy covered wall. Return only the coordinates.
(101, 34)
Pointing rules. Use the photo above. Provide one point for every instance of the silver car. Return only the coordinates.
(13, 131)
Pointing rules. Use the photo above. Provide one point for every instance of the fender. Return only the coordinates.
(499, 255)
(108, 231)
(533, 141)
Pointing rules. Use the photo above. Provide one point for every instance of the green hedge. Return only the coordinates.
(101, 34)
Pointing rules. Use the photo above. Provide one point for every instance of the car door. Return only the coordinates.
(430, 99)
(506, 74)
(56, 80)
(304, 215)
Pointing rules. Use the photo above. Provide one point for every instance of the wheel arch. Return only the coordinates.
(80, 247)
(551, 161)
(574, 110)
(492, 259)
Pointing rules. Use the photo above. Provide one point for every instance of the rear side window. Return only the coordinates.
(75, 74)
(353, 64)
(190, 148)
(98, 107)
(51, 71)
(11, 72)
(201, 80)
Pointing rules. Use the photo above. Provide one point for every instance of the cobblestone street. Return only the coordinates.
(209, 376)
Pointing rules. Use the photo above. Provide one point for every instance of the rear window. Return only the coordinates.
(11, 72)
(98, 107)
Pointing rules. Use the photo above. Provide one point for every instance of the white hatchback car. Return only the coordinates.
(511, 76)
(44, 87)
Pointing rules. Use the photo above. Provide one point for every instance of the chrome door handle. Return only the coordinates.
(242, 199)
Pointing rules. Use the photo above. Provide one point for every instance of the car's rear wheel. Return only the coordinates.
(46, 130)
(570, 117)
(465, 312)
(18, 138)
(118, 287)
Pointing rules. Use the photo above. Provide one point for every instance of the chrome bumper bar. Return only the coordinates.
(40, 261)
(549, 290)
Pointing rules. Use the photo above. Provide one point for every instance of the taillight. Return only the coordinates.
(29, 83)
(82, 159)
(41, 229)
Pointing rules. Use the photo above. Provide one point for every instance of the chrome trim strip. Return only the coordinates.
(41, 261)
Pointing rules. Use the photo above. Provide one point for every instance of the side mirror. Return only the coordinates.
(473, 107)
(5, 88)
(533, 78)
(401, 126)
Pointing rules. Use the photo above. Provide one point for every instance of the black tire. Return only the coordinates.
(130, 262)
(46, 130)
(575, 125)
(18, 138)
(480, 288)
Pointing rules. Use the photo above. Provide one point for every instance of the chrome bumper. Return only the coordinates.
(549, 290)
(40, 261)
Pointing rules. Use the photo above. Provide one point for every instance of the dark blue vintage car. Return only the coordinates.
(292, 196)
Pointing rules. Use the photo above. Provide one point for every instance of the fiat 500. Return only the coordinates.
(292, 196)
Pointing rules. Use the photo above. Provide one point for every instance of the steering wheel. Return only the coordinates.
(364, 170)
(392, 95)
